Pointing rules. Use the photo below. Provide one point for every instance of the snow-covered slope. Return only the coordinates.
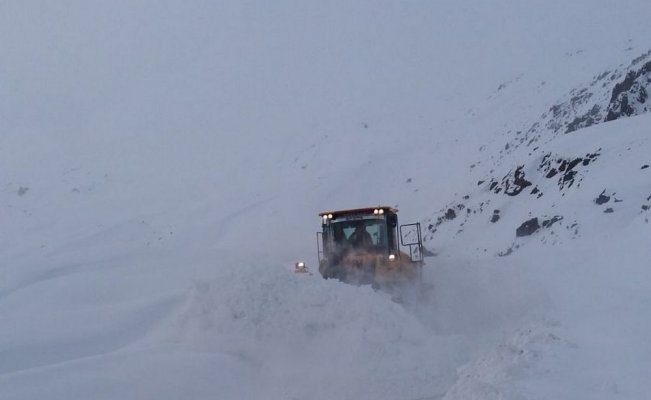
(590, 256)
(162, 165)
(552, 175)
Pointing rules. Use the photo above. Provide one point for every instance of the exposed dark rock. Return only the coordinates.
(593, 156)
(623, 86)
(586, 106)
(601, 76)
(567, 168)
(519, 182)
(624, 110)
(563, 165)
(549, 222)
(640, 58)
(568, 177)
(603, 198)
(508, 251)
(512, 185)
(629, 94)
(556, 110)
(623, 91)
(574, 163)
(527, 228)
(584, 121)
(642, 96)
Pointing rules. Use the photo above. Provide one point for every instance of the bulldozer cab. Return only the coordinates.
(364, 241)
(369, 234)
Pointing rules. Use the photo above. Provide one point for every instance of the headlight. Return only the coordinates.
(381, 211)
(392, 257)
(376, 211)
(300, 267)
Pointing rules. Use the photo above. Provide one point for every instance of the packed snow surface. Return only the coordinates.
(162, 165)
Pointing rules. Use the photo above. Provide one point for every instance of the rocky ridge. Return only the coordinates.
(534, 169)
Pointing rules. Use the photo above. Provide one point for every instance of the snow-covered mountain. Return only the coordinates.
(535, 182)
(162, 167)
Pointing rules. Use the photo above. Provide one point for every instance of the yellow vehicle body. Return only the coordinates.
(363, 246)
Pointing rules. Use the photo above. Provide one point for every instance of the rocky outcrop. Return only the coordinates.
(527, 228)
(630, 96)
(613, 94)
(538, 171)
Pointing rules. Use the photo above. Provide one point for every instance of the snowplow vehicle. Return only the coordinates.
(367, 246)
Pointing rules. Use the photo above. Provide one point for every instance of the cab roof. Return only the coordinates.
(358, 211)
